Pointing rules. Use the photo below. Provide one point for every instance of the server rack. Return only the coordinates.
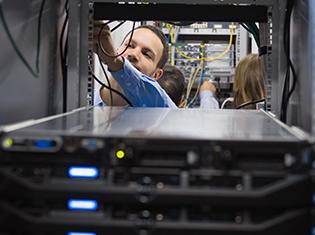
(84, 12)
(103, 171)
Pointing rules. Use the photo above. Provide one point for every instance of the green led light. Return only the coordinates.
(120, 154)
(7, 142)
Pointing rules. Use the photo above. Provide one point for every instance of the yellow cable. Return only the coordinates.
(193, 81)
(172, 49)
(185, 56)
(189, 86)
(200, 65)
(224, 52)
(202, 59)
(182, 104)
(195, 75)
(172, 54)
(209, 58)
(196, 94)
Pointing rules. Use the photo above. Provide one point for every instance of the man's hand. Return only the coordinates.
(208, 86)
(104, 47)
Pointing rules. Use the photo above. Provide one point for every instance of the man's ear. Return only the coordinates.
(157, 74)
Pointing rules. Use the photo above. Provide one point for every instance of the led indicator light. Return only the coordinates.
(120, 154)
(83, 172)
(76, 204)
(217, 26)
(80, 233)
(44, 144)
(7, 142)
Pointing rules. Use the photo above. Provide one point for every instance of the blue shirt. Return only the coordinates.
(140, 89)
(97, 98)
(207, 100)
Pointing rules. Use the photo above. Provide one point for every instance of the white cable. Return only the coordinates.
(230, 99)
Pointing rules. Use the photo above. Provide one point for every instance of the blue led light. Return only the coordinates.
(314, 200)
(78, 204)
(83, 172)
(44, 144)
(313, 231)
(80, 233)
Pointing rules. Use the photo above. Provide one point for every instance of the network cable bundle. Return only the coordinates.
(105, 171)
(203, 51)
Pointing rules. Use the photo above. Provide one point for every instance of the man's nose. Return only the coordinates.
(133, 55)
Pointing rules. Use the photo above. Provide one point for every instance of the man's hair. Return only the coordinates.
(164, 58)
(173, 82)
(249, 82)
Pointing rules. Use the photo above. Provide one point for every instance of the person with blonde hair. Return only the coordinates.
(248, 86)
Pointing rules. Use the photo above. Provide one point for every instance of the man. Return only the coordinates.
(137, 70)
(173, 82)
(207, 92)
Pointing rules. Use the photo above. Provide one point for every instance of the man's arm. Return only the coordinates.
(141, 90)
(105, 94)
(105, 48)
(207, 100)
(114, 64)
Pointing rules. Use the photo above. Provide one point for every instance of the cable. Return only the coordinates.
(293, 83)
(63, 57)
(39, 33)
(172, 40)
(113, 56)
(209, 58)
(254, 31)
(192, 81)
(185, 101)
(102, 47)
(249, 103)
(107, 79)
(198, 88)
(180, 23)
(287, 92)
(117, 92)
(219, 90)
(101, 64)
(13, 43)
(229, 99)
(117, 26)
(224, 52)
(245, 27)
(291, 65)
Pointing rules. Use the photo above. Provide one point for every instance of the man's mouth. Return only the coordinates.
(136, 67)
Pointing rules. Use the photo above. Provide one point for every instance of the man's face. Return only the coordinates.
(144, 52)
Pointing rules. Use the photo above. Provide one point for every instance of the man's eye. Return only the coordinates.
(147, 55)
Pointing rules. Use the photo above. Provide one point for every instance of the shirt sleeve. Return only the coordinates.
(207, 100)
(141, 90)
(97, 100)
